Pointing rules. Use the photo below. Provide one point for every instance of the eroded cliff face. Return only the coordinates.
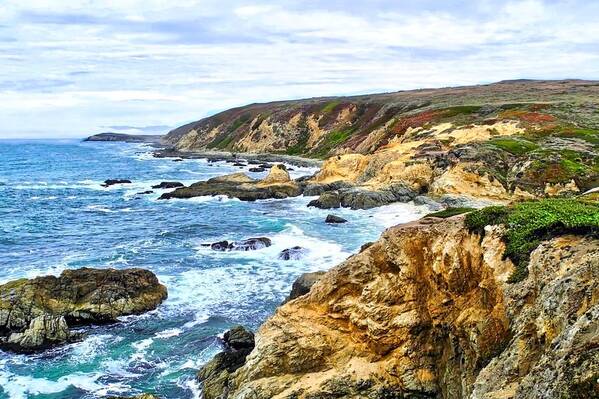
(426, 312)
(501, 141)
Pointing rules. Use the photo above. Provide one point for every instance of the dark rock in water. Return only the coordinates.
(257, 170)
(290, 169)
(301, 286)
(317, 189)
(145, 192)
(359, 198)
(214, 376)
(168, 184)
(250, 244)
(334, 219)
(142, 396)
(265, 165)
(220, 246)
(239, 164)
(178, 160)
(111, 182)
(294, 253)
(37, 314)
(238, 185)
(239, 338)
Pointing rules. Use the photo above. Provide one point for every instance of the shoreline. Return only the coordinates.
(232, 156)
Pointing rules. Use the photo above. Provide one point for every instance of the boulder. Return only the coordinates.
(112, 182)
(145, 192)
(168, 184)
(301, 286)
(335, 219)
(362, 198)
(293, 253)
(214, 376)
(249, 244)
(37, 314)
(238, 185)
(257, 170)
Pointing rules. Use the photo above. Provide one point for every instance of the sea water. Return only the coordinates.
(55, 215)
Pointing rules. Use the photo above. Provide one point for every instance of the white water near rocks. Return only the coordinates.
(54, 215)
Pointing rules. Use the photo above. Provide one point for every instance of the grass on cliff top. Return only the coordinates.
(514, 146)
(529, 223)
(449, 212)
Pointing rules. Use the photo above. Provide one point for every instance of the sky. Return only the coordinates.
(72, 68)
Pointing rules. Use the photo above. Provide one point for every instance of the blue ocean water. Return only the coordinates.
(54, 215)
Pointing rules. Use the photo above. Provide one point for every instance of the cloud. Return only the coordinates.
(78, 66)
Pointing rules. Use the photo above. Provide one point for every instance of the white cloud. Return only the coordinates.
(148, 62)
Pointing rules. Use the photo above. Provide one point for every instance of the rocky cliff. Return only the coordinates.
(517, 139)
(427, 312)
(37, 314)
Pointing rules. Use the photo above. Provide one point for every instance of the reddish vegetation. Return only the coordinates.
(526, 116)
(414, 121)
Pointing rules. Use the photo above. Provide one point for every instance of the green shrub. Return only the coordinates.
(449, 212)
(513, 145)
(529, 223)
(329, 107)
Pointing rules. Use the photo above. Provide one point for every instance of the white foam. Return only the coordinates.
(172, 332)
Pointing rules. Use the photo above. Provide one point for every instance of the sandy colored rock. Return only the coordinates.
(426, 312)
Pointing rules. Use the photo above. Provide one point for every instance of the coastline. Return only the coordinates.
(232, 156)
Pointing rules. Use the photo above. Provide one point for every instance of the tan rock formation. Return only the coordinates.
(426, 311)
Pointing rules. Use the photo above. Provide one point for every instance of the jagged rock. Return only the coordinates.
(335, 219)
(427, 311)
(168, 184)
(249, 244)
(36, 314)
(238, 185)
(111, 182)
(214, 376)
(301, 286)
(360, 198)
(293, 253)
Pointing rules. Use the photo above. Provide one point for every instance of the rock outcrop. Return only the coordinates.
(112, 182)
(293, 253)
(214, 376)
(426, 311)
(38, 313)
(250, 244)
(128, 138)
(168, 184)
(277, 184)
(333, 219)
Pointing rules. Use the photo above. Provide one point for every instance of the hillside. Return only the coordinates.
(512, 139)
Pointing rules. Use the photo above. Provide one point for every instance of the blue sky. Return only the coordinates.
(74, 68)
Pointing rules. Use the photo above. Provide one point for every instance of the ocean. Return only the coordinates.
(55, 215)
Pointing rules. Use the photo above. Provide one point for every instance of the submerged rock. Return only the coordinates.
(168, 184)
(112, 182)
(145, 192)
(335, 219)
(293, 253)
(249, 244)
(301, 286)
(277, 184)
(38, 313)
(214, 376)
